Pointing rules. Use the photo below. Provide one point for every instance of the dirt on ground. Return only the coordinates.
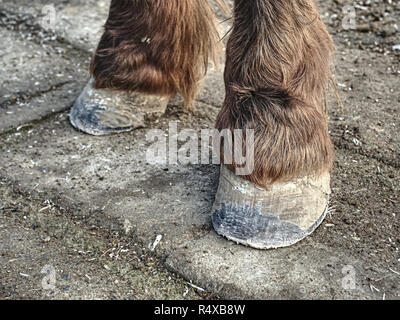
(366, 175)
(37, 238)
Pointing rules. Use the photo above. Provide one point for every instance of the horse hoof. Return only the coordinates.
(104, 111)
(265, 219)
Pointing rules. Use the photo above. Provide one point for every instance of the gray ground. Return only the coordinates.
(92, 207)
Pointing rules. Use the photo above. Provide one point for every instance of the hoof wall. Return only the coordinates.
(266, 219)
(104, 111)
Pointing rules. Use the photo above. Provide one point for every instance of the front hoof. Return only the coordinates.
(104, 111)
(266, 219)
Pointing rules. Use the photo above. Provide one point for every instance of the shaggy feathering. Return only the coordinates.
(156, 47)
(278, 66)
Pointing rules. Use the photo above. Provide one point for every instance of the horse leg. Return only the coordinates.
(150, 50)
(277, 68)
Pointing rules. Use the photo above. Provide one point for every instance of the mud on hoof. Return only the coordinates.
(105, 111)
(265, 219)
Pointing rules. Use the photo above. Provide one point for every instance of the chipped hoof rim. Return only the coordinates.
(269, 219)
(104, 111)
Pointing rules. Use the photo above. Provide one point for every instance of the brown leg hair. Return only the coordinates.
(156, 46)
(278, 65)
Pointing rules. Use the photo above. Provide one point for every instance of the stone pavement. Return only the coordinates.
(106, 181)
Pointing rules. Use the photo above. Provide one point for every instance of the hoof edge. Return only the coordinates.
(278, 217)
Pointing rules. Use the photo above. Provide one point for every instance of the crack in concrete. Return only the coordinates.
(21, 97)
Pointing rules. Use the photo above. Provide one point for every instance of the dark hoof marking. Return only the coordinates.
(278, 217)
(84, 118)
(106, 111)
(248, 226)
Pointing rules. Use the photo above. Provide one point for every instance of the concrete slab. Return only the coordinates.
(78, 22)
(35, 79)
(85, 262)
(310, 270)
(27, 68)
(107, 182)
(23, 114)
